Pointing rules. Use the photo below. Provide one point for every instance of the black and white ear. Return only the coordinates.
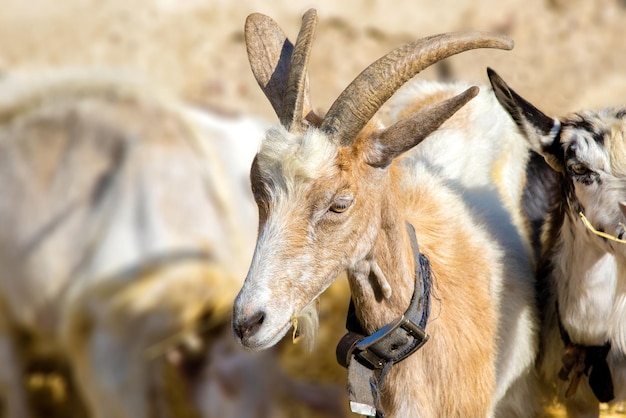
(413, 129)
(541, 131)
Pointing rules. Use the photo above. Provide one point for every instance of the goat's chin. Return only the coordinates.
(264, 339)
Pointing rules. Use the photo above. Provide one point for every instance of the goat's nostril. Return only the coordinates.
(250, 326)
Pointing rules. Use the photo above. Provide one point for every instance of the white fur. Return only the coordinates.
(477, 155)
(481, 156)
(76, 290)
(589, 278)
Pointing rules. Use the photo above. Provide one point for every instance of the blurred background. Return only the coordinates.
(569, 55)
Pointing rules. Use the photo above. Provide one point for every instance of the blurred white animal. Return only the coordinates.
(125, 217)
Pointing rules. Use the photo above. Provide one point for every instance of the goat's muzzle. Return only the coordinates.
(245, 327)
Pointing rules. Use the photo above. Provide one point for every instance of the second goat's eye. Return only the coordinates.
(340, 205)
(579, 169)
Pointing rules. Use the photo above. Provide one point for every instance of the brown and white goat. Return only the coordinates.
(582, 269)
(335, 194)
(126, 217)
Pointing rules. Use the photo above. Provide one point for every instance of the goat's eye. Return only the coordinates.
(579, 169)
(340, 205)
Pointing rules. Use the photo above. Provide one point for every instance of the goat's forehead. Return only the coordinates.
(287, 158)
(596, 134)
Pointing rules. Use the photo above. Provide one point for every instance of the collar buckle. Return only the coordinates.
(393, 342)
(370, 358)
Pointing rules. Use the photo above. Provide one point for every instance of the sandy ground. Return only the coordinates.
(569, 54)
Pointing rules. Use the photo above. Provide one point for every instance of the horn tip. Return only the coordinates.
(496, 40)
(472, 91)
(507, 42)
(310, 16)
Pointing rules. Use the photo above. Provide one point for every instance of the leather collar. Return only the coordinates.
(369, 358)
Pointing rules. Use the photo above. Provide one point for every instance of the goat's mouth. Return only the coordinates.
(264, 340)
(304, 325)
(620, 231)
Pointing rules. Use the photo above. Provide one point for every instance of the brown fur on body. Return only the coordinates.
(462, 348)
(466, 261)
(336, 197)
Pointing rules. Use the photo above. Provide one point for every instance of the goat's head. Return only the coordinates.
(318, 182)
(588, 150)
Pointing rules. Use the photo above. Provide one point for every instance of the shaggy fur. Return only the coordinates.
(325, 209)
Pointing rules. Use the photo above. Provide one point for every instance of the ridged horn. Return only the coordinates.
(413, 129)
(358, 103)
(295, 95)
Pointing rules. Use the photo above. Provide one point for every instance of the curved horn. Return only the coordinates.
(295, 90)
(356, 105)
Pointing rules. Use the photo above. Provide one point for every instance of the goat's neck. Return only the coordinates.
(585, 277)
(393, 256)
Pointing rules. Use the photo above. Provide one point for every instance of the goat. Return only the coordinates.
(581, 275)
(126, 218)
(334, 193)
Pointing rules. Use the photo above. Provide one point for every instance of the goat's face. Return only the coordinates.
(318, 183)
(318, 204)
(320, 201)
(593, 168)
(588, 150)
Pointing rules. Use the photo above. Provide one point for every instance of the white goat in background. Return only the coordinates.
(125, 218)
(335, 192)
(582, 269)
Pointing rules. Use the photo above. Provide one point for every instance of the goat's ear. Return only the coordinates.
(411, 130)
(269, 52)
(541, 131)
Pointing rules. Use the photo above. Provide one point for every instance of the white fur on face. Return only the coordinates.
(594, 160)
(289, 160)
(600, 152)
(285, 274)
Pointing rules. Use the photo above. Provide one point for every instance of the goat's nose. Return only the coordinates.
(249, 326)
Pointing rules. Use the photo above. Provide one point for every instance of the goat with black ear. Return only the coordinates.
(582, 267)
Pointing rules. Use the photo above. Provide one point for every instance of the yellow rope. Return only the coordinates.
(600, 233)
(295, 337)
